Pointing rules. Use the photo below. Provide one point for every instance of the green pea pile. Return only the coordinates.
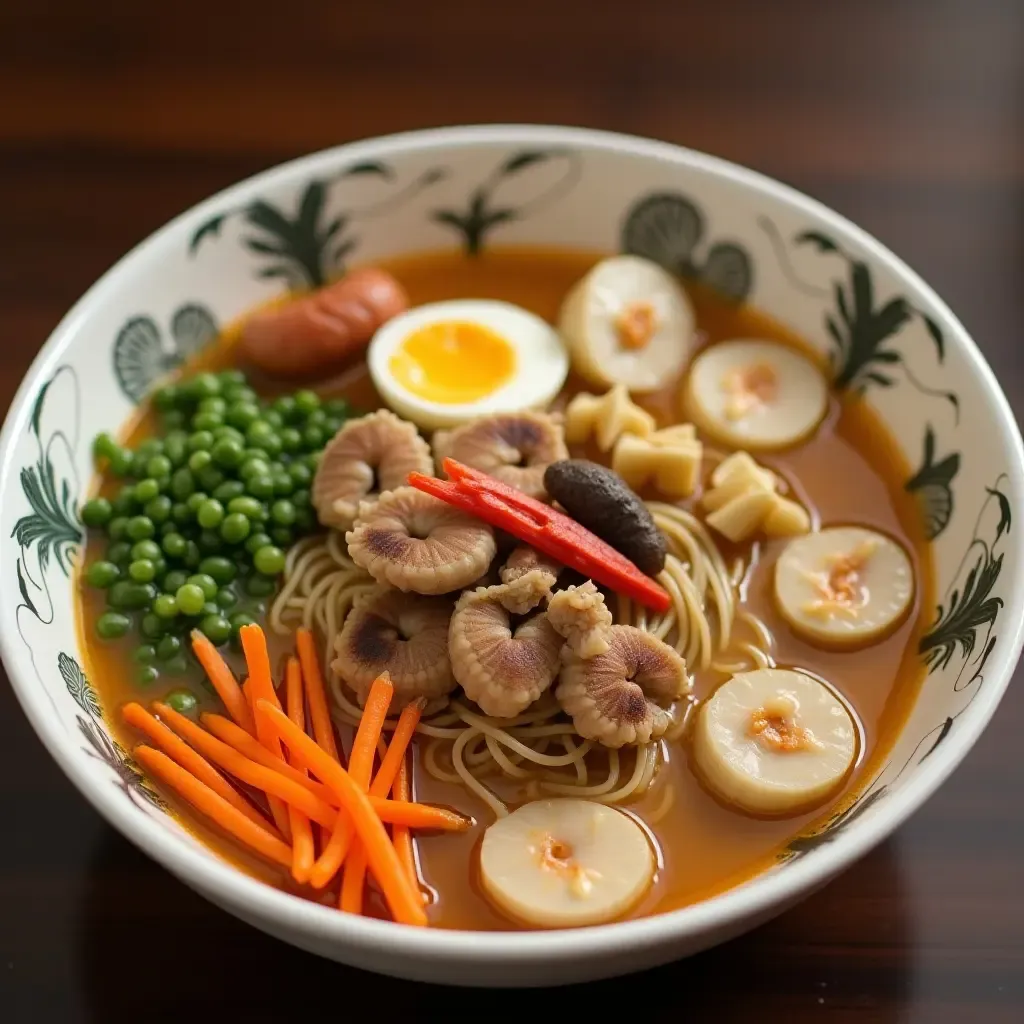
(198, 530)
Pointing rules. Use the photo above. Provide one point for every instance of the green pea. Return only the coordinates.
(243, 414)
(336, 407)
(182, 701)
(246, 506)
(117, 528)
(119, 552)
(128, 595)
(102, 574)
(302, 498)
(261, 486)
(312, 460)
(168, 528)
(241, 393)
(190, 599)
(174, 579)
(158, 509)
(168, 647)
(228, 453)
(104, 446)
(174, 419)
(193, 556)
(142, 570)
(229, 433)
(148, 448)
(145, 654)
(229, 490)
(146, 549)
(195, 500)
(176, 666)
(124, 504)
(140, 528)
(166, 606)
(214, 404)
(210, 478)
(175, 545)
(258, 432)
(122, 463)
(220, 570)
(210, 608)
(183, 483)
(165, 398)
(210, 514)
(269, 560)
(111, 625)
(283, 536)
(216, 628)
(316, 418)
(235, 528)
(306, 401)
(254, 464)
(232, 376)
(96, 513)
(147, 675)
(301, 474)
(274, 418)
(257, 541)
(313, 437)
(282, 512)
(160, 568)
(181, 513)
(199, 461)
(146, 490)
(200, 441)
(331, 426)
(282, 482)
(203, 385)
(176, 447)
(206, 583)
(151, 627)
(291, 440)
(285, 405)
(207, 421)
(226, 598)
(159, 467)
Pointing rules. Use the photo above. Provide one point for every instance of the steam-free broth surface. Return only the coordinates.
(850, 472)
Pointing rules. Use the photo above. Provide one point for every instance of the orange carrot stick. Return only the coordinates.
(360, 766)
(223, 680)
(400, 740)
(206, 801)
(178, 750)
(303, 851)
(319, 713)
(414, 815)
(273, 783)
(404, 901)
(261, 686)
(401, 837)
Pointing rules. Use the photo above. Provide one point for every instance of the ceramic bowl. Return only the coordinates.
(890, 340)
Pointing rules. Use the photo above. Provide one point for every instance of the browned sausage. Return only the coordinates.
(320, 330)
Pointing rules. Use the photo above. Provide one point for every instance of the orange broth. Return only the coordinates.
(849, 472)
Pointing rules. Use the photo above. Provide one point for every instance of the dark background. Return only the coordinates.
(906, 115)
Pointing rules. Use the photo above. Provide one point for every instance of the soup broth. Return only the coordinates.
(849, 472)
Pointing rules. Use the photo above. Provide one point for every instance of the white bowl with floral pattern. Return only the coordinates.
(887, 334)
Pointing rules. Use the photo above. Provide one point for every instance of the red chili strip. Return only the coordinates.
(544, 528)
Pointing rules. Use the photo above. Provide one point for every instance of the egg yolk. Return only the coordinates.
(453, 362)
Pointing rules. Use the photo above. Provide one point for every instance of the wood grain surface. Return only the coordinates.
(906, 115)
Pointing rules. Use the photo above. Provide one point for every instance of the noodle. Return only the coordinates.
(464, 746)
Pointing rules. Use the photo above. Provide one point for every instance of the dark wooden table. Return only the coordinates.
(906, 115)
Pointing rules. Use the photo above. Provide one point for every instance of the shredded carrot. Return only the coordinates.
(247, 693)
(223, 680)
(155, 731)
(360, 766)
(316, 695)
(272, 782)
(394, 759)
(421, 816)
(261, 686)
(303, 851)
(401, 837)
(213, 806)
(404, 901)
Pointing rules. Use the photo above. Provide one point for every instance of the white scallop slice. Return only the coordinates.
(541, 361)
(564, 862)
(755, 394)
(774, 741)
(595, 322)
(844, 586)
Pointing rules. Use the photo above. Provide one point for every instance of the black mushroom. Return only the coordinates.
(598, 498)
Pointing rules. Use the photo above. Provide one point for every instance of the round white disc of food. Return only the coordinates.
(774, 741)
(753, 394)
(843, 586)
(628, 321)
(565, 862)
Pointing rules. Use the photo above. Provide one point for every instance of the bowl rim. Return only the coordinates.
(753, 899)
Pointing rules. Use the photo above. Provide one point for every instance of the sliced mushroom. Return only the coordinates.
(622, 696)
(524, 559)
(581, 616)
(514, 448)
(504, 668)
(403, 634)
(417, 542)
(368, 455)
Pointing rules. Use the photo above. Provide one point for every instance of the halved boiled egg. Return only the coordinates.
(444, 363)
(758, 395)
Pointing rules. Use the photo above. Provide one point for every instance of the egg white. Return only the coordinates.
(542, 361)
